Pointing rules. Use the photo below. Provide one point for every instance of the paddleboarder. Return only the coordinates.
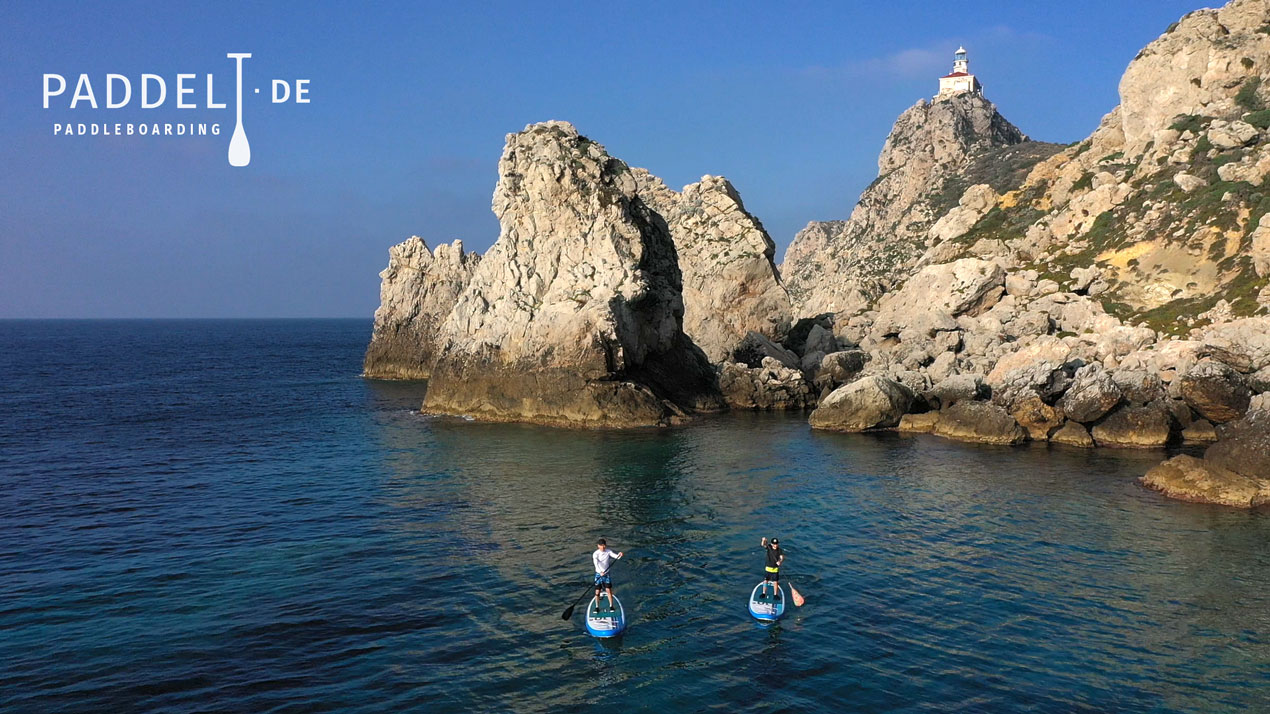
(603, 559)
(772, 565)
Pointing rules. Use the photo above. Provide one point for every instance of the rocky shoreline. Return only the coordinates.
(986, 288)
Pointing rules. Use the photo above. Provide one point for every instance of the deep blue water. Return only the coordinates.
(223, 516)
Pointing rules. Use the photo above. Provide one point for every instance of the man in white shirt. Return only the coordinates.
(603, 559)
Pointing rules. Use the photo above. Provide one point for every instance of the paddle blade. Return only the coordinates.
(797, 596)
(568, 612)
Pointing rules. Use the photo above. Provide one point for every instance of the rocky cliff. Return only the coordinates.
(1163, 202)
(1114, 296)
(730, 283)
(417, 290)
(842, 266)
(986, 288)
(575, 315)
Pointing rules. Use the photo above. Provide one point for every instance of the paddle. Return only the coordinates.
(568, 611)
(795, 595)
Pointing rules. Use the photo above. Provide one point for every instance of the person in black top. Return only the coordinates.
(772, 566)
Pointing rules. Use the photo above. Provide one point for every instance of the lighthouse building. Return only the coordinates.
(960, 80)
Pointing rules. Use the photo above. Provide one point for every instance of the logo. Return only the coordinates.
(151, 93)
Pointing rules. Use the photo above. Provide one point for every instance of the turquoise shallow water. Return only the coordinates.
(222, 516)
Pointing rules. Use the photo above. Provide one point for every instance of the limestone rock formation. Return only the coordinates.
(769, 387)
(575, 315)
(841, 266)
(839, 368)
(730, 283)
(867, 403)
(1165, 198)
(1093, 393)
(1190, 479)
(418, 289)
(1243, 446)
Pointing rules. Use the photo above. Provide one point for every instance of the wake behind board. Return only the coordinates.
(603, 619)
(766, 605)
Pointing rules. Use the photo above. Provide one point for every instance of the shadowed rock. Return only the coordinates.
(574, 316)
(1216, 391)
(1135, 428)
(979, 422)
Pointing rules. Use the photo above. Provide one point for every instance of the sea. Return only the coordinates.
(224, 516)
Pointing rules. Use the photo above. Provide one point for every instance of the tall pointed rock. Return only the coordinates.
(575, 315)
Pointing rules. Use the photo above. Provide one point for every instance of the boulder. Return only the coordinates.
(770, 387)
(1135, 428)
(1138, 386)
(839, 368)
(416, 292)
(1037, 417)
(1092, 394)
(1243, 446)
(1082, 278)
(1073, 434)
(574, 316)
(1187, 478)
(979, 422)
(1233, 135)
(1216, 391)
(1046, 380)
(868, 403)
(1047, 350)
(1188, 182)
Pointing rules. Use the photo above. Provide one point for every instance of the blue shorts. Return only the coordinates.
(603, 581)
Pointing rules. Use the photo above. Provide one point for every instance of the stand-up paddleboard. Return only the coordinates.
(604, 619)
(766, 605)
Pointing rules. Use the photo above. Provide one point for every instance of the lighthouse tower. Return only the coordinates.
(960, 80)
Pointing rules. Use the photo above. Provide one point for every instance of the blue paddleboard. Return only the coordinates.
(766, 606)
(603, 619)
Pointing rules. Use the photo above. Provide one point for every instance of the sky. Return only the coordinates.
(409, 106)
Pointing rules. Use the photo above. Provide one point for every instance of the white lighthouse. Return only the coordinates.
(960, 80)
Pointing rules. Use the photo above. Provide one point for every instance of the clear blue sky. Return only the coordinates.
(410, 104)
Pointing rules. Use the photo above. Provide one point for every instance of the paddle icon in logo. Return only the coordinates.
(239, 149)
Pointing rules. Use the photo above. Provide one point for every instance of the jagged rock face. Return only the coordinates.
(1196, 67)
(1164, 199)
(574, 316)
(417, 290)
(840, 266)
(769, 387)
(730, 283)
